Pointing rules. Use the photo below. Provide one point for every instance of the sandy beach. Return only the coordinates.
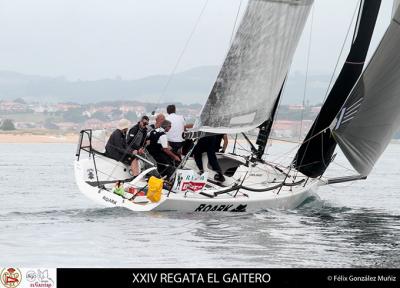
(37, 138)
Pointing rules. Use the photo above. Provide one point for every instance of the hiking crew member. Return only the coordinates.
(136, 139)
(159, 149)
(178, 127)
(116, 147)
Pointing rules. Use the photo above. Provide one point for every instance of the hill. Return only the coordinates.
(191, 86)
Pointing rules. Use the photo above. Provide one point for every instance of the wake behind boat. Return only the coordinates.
(360, 115)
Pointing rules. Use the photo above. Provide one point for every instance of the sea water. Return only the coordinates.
(46, 222)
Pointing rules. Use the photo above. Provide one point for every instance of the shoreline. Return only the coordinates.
(68, 138)
(12, 138)
(27, 137)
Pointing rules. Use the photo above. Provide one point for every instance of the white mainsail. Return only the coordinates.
(255, 68)
(371, 114)
(395, 5)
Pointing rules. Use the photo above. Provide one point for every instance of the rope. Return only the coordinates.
(234, 25)
(171, 75)
(343, 167)
(285, 140)
(307, 72)
(330, 81)
(306, 79)
(126, 153)
(341, 52)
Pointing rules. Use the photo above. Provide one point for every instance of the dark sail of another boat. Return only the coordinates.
(314, 155)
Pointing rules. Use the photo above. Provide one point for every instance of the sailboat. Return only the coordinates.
(360, 115)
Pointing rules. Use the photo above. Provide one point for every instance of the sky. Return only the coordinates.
(131, 39)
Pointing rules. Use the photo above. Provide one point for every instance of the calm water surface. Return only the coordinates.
(46, 222)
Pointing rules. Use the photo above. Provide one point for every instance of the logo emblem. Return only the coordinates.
(10, 277)
(90, 174)
(31, 276)
(39, 278)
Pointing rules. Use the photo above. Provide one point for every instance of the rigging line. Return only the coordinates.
(243, 148)
(306, 77)
(284, 155)
(343, 167)
(307, 71)
(333, 73)
(171, 75)
(234, 145)
(236, 19)
(276, 114)
(126, 153)
(285, 140)
(341, 51)
(322, 151)
(133, 156)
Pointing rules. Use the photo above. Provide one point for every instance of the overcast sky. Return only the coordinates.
(96, 39)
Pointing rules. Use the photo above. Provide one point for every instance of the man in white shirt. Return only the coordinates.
(178, 126)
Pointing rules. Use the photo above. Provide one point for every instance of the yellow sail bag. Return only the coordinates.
(155, 188)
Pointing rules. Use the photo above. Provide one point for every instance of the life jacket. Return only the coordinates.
(154, 147)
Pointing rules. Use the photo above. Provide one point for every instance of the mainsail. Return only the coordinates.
(395, 5)
(245, 92)
(371, 114)
(314, 155)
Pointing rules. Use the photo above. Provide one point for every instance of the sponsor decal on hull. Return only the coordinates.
(221, 207)
(188, 180)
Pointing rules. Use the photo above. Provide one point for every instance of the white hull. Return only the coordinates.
(234, 201)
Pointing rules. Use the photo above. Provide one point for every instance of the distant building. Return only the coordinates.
(296, 107)
(98, 124)
(104, 109)
(67, 106)
(316, 109)
(291, 129)
(13, 107)
(25, 125)
(68, 126)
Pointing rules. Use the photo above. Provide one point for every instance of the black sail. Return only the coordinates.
(371, 115)
(266, 127)
(314, 155)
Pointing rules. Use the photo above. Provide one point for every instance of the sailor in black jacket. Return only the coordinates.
(137, 134)
(160, 150)
(116, 147)
(136, 140)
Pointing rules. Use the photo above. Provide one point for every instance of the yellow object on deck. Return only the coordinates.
(155, 189)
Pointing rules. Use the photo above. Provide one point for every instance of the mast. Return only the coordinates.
(315, 154)
(265, 128)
